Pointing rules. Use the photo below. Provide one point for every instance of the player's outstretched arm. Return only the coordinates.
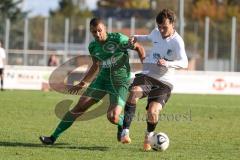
(141, 38)
(140, 50)
(87, 78)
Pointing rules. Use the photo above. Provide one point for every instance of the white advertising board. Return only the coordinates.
(207, 82)
(188, 82)
(26, 77)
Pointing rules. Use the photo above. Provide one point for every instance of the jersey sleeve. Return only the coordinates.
(182, 60)
(123, 41)
(144, 38)
(90, 48)
(91, 51)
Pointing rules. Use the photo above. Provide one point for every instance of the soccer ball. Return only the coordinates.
(159, 141)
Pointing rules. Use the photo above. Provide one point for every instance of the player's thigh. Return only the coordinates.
(117, 99)
(159, 93)
(140, 87)
(92, 95)
(118, 95)
(83, 104)
(96, 90)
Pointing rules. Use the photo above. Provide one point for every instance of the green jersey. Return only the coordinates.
(113, 57)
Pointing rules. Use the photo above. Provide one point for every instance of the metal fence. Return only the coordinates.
(210, 45)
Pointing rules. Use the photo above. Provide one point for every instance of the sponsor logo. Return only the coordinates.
(109, 62)
(219, 84)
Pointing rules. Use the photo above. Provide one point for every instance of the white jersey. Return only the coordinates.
(172, 49)
(2, 57)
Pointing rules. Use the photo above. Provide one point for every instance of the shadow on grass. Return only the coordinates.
(57, 145)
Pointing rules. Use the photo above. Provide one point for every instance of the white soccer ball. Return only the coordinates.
(159, 141)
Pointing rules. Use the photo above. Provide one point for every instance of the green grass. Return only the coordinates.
(199, 127)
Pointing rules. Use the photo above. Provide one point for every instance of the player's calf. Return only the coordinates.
(119, 133)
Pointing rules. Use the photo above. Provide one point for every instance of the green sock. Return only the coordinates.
(120, 122)
(66, 122)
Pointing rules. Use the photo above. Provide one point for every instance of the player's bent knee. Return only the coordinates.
(113, 118)
(132, 101)
(136, 89)
(135, 94)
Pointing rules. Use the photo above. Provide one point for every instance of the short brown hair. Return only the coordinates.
(165, 14)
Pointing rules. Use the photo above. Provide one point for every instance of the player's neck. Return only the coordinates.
(104, 39)
(170, 35)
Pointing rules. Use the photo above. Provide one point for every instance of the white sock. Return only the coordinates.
(149, 134)
(125, 132)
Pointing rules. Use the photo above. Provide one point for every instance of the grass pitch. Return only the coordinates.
(200, 127)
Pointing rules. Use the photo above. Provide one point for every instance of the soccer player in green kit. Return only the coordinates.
(111, 62)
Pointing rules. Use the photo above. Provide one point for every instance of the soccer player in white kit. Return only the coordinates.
(155, 82)
(2, 63)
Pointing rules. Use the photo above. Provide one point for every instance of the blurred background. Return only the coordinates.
(42, 39)
(32, 30)
(41, 35)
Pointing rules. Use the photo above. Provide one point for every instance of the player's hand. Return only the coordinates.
(75, 89)
(132, 40)
(162, 62)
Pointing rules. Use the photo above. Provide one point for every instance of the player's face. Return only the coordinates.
(166, 28)
(99, 32)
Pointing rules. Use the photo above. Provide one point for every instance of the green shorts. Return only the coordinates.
(117, 92)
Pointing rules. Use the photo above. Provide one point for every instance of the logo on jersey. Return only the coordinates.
(169, 52)
(170, 55)
(156, 56)
(110, 47)
(109, 62)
